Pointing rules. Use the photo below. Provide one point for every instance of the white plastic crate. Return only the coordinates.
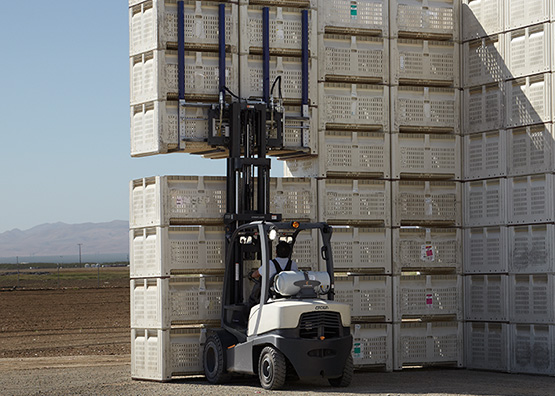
(426, 155)
(425, 18)
(163, 200)
(484, 60)
(353, 58)
(345, 153)
(531, 150)
(289, 68)
(361, 249)
(159, 303)
(306, 251)
(528, 100)
(364, 16)
(485, 155)
(485, 203)
(423, 61)
(483, 108)
(426, 202)
(159, 355)
(486, 298)
(487, 346)
(153, 25)
(531, 199)
(529, 50)
(417, 296)
(154, 75)
(519, 13)
(161, 251)
(427, 343)
(348, 202)
(427, 248)
(373, 345)
(368, 296)
(532, 349)
(531, 249)
(294, 198)
(531, 298)
(486, 250)
(285, 29)
(354, 106)
(425, 109)
(482, 18)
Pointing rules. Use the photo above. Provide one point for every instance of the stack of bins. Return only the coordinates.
(426, 188)
(353, 168)
(157, 127)
(508, 171)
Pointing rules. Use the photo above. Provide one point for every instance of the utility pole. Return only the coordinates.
(17, 261)
(80, 244)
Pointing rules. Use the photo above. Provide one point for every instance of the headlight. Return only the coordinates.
(272, 234)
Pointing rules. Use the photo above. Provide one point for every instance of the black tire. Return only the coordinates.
(346, 377)
(213, 361)
(272, 368)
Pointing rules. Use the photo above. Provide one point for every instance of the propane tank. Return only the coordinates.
(290, 283)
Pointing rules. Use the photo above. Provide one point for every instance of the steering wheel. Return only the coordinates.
(251, 278)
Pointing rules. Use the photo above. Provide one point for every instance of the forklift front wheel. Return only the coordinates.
(214, 361)
(272, 368)
(345, 379)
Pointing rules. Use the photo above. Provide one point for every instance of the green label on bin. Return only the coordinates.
(353, 10)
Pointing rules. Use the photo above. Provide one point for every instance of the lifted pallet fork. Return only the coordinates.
(294, 328)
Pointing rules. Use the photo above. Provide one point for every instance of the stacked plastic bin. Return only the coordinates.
(352, 166)
(426, 189)
(508, 171)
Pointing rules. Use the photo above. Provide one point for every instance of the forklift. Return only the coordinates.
(292, 328)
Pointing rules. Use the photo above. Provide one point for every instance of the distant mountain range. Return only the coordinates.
(60, 239)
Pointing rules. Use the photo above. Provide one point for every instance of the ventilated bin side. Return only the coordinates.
(519, 13)
(353, 58)
(531, 150)
(161, 302)
(361, 249)
(485, 155)
(529, 50)
(373, 345)
(353, 106)
(154, 128)
(428, 248)
(368, 296)
(299, 134)
(531, 298)
(531, 199)
(427, 343)
(350, 202)
(532, 349)
(365, 16)
(294, 198)
(528, 100)
(486, 250)
(290, 70)
(484, 60)
(153, 25)
(285, 29)
(425, 109)
(426, 202)
(158, 355)
(485, 203)
(483, 108)
(426, 155)
(416, 296)
(427, 19)
(482, 18)
(486, 298)
(487, 346)
(306, 251)
(422, 61)
(531, 249)
(154, 75)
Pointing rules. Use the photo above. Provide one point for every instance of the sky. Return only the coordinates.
(64, 115)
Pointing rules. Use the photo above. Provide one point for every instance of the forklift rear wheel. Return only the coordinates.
(214, 361)
(345, 379)
(272, 368)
